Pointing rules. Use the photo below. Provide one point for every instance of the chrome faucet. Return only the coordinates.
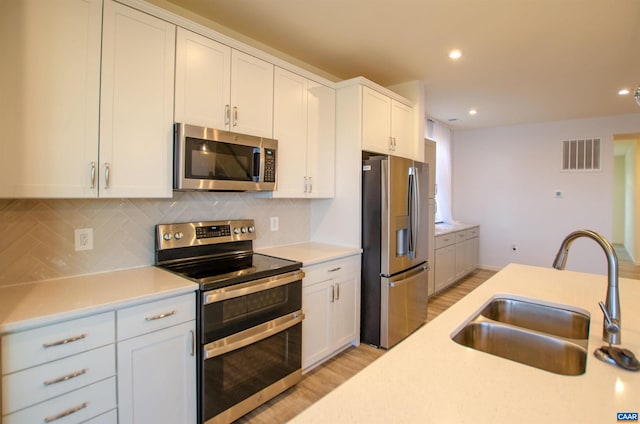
(611, 310)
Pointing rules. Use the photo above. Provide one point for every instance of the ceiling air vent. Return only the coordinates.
(581, 155)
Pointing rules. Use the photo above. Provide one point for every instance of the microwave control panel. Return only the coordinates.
(269, 166)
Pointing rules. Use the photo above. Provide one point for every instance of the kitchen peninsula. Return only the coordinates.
(430, 378)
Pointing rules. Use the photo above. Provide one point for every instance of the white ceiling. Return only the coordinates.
(524, 61)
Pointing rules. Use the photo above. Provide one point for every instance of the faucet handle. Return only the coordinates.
(612, 327)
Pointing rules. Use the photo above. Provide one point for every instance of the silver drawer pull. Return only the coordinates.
(160, 316)
(66, 413)
(65, 341)
(66, 377)
(335, 269)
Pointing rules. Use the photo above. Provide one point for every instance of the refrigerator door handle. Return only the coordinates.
(416, 215)
(412, 206)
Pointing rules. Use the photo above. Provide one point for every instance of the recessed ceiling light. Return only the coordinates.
(455, 54)
(473, 112)
(623, 92)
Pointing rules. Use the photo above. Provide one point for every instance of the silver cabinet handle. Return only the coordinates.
(310, 184)
(65, 341)
(337, 291)
(306, 184)
(333, 293)
(193, 342)
(390, 143)
(93, 175)
(66, 413)
(227, 114)
(335, 269)
(65, 377)
(160, 316)
(107, 172)
(235, 116)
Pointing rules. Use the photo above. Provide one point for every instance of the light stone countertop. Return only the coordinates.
(45, 302)
(446, 228)
(428, 378)
(310, 253)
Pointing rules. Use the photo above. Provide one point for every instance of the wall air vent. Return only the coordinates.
(581, 155)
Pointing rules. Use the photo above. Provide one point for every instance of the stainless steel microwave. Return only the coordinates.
(214, 160)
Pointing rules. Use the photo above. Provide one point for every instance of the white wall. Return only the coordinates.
(505, 178)
(619, 199)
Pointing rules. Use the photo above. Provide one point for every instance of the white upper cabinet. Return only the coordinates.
(219, 87)
(136, 104)
(251, 95)
(50, 85)
(72, 128)
(304, 125)
(387, 125)
(203, 81)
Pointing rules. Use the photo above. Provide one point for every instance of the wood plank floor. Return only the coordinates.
(320, 381)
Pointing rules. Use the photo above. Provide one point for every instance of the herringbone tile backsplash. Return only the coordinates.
(37, 240)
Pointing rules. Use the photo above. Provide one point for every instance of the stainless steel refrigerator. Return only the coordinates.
(394, 242)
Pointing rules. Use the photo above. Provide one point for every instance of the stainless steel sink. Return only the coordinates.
(550, 338)
(535, 316)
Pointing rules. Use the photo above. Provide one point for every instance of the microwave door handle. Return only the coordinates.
(256, 165)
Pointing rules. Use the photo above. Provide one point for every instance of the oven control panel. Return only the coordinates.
(169, 236)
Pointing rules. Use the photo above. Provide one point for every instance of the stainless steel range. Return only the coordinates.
(249, 314)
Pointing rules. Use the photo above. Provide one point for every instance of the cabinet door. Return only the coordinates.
(445, 263)
(251, 95)
(136, 104)
(376, 121)
(50, 85)
(402, 130)
(290, 129)
(346, 309)
(157, 377)
(462, 258)
(321, 140)
(474, 247)
(431, 249)
(317, 326)
(203, 81)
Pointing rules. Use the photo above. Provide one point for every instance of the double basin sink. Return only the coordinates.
(551, 338)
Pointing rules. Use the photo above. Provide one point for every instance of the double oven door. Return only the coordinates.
(251, 336)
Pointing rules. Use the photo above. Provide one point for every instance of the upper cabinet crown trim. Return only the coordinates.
(374, 86)
(222, 38)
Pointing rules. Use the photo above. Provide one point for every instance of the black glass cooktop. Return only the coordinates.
(218, 272)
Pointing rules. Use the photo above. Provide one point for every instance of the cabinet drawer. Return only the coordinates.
(445, 240)
(461, 236)
(331, 270)
(43, 344)
(473, 232)
(110, 417)
(157, 315)
(77, 406)
(33, 385)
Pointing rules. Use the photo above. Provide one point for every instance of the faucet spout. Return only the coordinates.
(611, 309)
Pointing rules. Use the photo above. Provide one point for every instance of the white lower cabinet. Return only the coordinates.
(157, 363)
(330, 302)
(66, 372)
(62, 373)
(456, 256)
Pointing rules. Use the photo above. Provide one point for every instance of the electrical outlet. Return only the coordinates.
(275, 223)
(83, 238)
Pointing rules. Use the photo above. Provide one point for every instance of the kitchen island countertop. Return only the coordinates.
(428, 378)
(310, 253)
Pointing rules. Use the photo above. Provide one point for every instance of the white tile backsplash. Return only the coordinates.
(37, 235)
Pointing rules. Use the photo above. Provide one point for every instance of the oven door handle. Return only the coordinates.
(252, 335)
(250, 287)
